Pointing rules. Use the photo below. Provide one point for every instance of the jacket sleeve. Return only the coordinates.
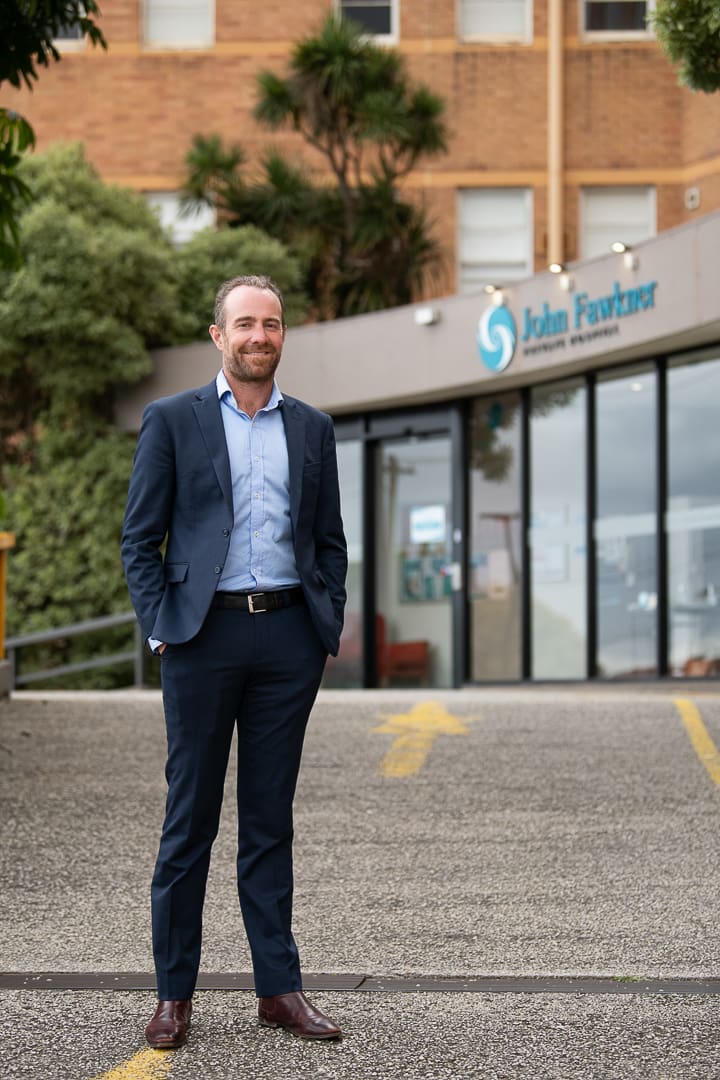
(147, 516)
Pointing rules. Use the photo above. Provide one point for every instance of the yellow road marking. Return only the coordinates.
(147, 1065)
(416, 732)
(702, 743)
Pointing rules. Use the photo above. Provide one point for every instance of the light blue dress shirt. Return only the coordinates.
(261, 556)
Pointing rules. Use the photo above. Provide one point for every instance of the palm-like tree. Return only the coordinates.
(364, 246)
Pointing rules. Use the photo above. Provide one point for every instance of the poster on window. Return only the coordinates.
(424, 579)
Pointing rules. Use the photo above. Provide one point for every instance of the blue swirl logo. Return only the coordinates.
(496, 338)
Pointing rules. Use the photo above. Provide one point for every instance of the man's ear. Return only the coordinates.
(217, 336)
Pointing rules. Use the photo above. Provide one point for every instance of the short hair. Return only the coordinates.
(255, 281)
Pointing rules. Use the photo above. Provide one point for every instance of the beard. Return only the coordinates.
(252, 365)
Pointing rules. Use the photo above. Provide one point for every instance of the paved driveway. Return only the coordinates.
(492, 884)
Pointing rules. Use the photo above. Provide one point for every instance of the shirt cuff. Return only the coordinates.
(155, 644)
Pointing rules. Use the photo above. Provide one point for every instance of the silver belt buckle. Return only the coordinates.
(251, 606)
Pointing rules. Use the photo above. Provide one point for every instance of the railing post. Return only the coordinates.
(139, 657)
(7, 541)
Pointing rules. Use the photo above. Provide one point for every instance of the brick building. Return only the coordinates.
(567, 126)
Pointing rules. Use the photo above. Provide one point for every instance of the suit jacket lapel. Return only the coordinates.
(295, 438)
(206, 407)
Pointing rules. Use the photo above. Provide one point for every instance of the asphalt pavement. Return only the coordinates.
(497, 883)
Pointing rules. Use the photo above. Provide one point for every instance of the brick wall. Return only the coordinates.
(626, 119)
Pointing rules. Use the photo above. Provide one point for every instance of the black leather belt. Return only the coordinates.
(258, 602)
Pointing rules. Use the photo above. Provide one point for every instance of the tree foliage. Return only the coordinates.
(29, 30)
(16, 137)
(689, 32)
(65, 502)
(95, 290)
(364, 247)
(98, 286)
(212, 256)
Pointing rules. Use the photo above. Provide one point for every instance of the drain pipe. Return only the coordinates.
(555, 149)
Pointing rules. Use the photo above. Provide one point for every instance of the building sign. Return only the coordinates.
(497, 338)
(550, 329)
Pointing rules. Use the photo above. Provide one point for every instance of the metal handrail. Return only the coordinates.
(41, 637)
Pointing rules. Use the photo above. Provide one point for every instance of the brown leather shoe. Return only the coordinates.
(169, 1027)
(294, 1012)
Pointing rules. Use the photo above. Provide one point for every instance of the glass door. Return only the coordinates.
(415, 577)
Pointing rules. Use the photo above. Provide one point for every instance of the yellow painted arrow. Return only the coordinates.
(416, 732)
(146, 1065)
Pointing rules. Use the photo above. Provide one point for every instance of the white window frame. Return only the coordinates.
(503, 275)
(205, 43)
(585, 197)
(524, 38)
(647, 34)
(381, 39)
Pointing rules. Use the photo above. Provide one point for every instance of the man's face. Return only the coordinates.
(252, 339)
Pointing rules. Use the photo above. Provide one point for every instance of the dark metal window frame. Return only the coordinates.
(452, 419)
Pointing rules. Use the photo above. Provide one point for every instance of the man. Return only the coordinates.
(241, 483)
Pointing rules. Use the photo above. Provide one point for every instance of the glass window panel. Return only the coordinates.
(180, 23)
(494, 236)
(69, 32)
(617, 16)
(496, 245)
(414, 552)
(615, 213)
(494, 18)
(495, 539)
(557, 531)
(374, 18)
(626, 525)
(693, 518)
(346, 669)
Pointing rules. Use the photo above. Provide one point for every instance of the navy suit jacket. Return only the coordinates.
(180, 492)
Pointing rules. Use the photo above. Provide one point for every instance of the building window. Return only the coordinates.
(495, 20)
(693, 516)
(612, 214)
(180, 24)
(376, 17)
(619, 18)
(494, 236)
(70, 38)
(70, 32)
(495, 579)
(557, 535)
(180, 225)
(346, 669)
(625, 526)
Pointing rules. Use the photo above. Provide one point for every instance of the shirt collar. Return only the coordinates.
(223, 388)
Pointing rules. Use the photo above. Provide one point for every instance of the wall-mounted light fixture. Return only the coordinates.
(630, 259)
(567, 282)
(495, 291)
(427, 316)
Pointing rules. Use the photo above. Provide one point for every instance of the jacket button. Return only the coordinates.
(218, 569)
(226, 532)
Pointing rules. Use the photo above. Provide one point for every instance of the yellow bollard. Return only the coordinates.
(7, 541)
